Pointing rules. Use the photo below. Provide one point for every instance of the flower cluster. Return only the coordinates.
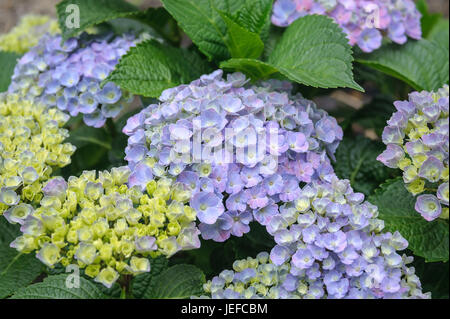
(68, 75)
(245, 147)
(417, 143)
(363, 21)
(27, 33)
(31, 144)
(104, 226)
(259, 278)
(334, 246)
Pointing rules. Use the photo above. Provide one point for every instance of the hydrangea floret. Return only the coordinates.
(31, 146)
(240, 149)
(417, 142)
(334, 246)
(364, 22)
(27, 33)
(105, 227)
(68, 75)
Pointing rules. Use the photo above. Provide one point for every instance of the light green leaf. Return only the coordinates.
(396, 206)
(8, 62)
(241, 42)
(177, 282)
(202, 22)
(356, 160)
(428, 20)
(150, 68)
(54, 287)
(254, 69)
(144, 283)
(422, 64)
(314, 51)
(16, 269)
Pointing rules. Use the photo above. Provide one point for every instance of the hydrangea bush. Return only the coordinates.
(364, 22)
(142, 152)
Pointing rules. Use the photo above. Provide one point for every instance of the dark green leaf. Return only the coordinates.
(54, 287)
(428, 20)
(201, 20)
(356, 160)
(8, 62)
(241, 42)
(144, 283)
(314, 51)
(396, 206)
(177, 282)
(422, 64)
(150, 68)
(434, 277)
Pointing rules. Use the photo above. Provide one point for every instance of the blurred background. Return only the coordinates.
(12, 10)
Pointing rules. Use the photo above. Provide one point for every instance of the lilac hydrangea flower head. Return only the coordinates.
(363, 21)
(239, 148)
(31, 146)
(333, 242)
(68, 75)
(417, 142)
(105, 226)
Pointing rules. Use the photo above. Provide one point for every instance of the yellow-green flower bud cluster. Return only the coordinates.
(31, 144)
(107, 228)
(27, 33)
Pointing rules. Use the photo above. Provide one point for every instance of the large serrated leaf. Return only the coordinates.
(314, 51)
(16, 269)
(201, 20)
(254, 69)
(177, 282)
(151, 67)
(91, 12)
(54, 287)
(8, 61)
(356, 160)
(144, 283)
(422, 64)
(396, 206)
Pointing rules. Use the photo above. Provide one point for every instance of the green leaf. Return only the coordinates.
(144, 283)
(422, 64)
(16, 269)
(434, 277)
(428, 20)
(241, 42)
(356, 160)
(85, 135)
(254, 69)
(177, 282)
(151, 67)
(440, 33)
(396, 206)
(8, 61)
(202, 22)
(255, 17)
(92, 12)
(314, 51)
(54, 287)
